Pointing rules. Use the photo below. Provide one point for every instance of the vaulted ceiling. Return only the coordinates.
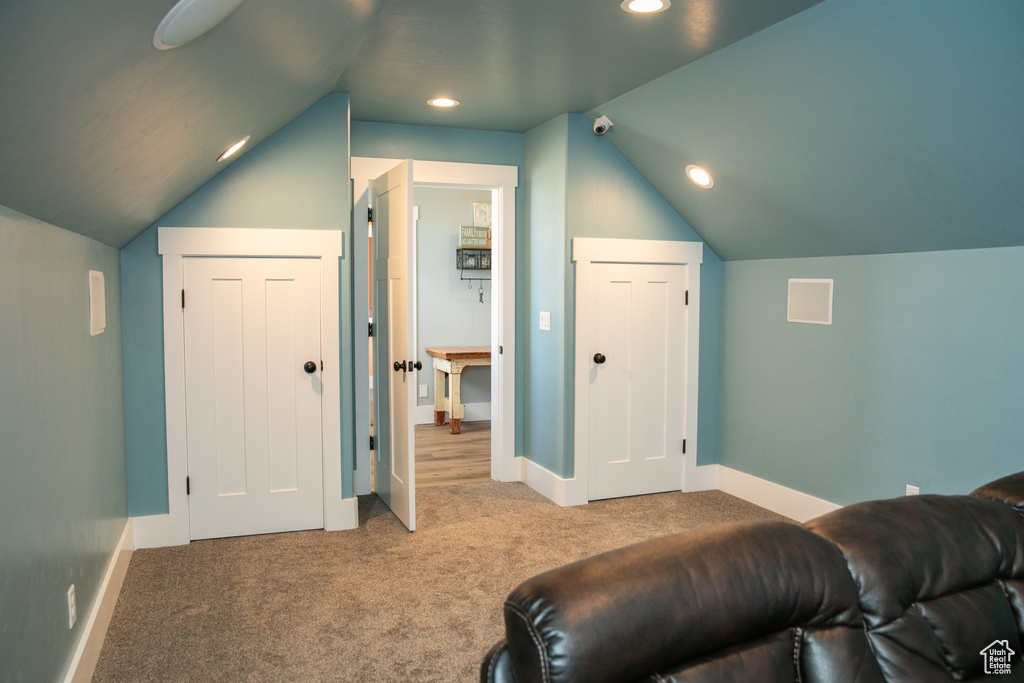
(102, 134)
(854, 127)
(835, 127)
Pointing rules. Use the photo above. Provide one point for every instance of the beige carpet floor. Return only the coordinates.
(372, 604)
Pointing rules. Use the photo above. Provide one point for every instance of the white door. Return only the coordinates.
(393, 355)
(253, 395)
(637, 378)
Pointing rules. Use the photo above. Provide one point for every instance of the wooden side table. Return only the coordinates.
(449, 362)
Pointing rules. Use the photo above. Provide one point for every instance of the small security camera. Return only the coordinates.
(601, 125)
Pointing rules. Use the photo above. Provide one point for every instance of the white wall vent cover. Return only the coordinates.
(810, 301)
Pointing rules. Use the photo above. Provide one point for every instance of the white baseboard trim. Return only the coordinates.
(564, 492)
(348, 515)
(159, 531)
(702, 478)
(87, 654)
(777, 498)
(475, 412)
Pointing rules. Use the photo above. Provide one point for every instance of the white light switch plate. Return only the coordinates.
(423, 391)
(545, 320)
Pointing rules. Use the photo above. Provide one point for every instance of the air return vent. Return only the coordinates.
(810, 301)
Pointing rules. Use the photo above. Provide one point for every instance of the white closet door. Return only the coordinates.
(253, 389)
(637, 378)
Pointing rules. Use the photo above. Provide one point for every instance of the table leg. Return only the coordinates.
(439, 376)
(455, 396)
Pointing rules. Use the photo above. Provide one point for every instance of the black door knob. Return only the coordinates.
(399, 366)
(599, 358)
(418, 365)
(309, 367)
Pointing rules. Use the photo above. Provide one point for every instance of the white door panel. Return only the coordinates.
(394, 455)
(253, 413)
(637, 393)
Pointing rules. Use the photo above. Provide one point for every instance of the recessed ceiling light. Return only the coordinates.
(699, 176)
(233, 148)
(645, 6)
(190, 19)
(443, 102)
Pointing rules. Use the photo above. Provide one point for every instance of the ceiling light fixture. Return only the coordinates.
(190, 19)
(233, 148)
(645, 6)
(699, 176)
(443, 102)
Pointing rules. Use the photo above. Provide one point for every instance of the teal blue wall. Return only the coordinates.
(297, 178)
(62, 452)
(607, 197)
(919, 379)
(545, 262)
(579, 185)
(429, 143)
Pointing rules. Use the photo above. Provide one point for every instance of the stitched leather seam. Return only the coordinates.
(545, 673)
(494, 662)
(798, 637)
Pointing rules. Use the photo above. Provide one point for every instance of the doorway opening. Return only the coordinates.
(452, 307)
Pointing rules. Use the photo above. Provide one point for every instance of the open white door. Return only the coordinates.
(394, 454)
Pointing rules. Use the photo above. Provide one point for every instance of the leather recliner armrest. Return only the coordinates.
(630, 613)
(497, 665)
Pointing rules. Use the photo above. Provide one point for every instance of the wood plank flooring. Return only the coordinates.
(444, 459)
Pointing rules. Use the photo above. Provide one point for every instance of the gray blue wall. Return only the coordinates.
(297, 178)
(449, 312)
(62, 451)
(919, 380)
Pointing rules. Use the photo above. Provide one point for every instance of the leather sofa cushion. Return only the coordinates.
(940, 578)
(707, 605)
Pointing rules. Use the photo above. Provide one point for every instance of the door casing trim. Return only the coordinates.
(175, 244)
(502, 182)
(587, 251)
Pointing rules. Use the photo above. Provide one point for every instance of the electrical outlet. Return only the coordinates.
(72, 610)
(913, 490)
(545, 320)
(423, 391)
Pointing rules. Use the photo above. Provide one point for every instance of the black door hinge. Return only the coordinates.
(188, 486)
(371, 443)
(371, 329)
(501, 350)
(183, 298)
(684, 445)
(687, 302)
(321, 366)
(369, 215)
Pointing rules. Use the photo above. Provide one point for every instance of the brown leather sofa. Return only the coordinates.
(909, 589)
